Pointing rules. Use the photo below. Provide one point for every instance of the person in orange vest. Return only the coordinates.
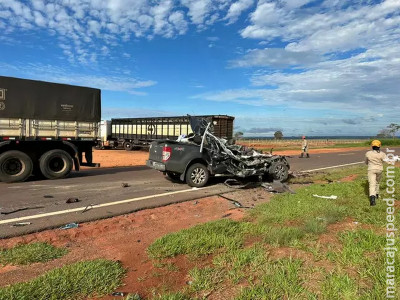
(374, 159)
(304, 148)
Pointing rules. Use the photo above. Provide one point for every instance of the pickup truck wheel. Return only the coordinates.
(128, 146)
(197, 175)
(279, 171)
(15, 166)
(55, 164)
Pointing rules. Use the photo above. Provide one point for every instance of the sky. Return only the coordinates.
(324, 67)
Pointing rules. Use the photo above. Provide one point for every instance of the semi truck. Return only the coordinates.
(134, 133)
(46, 128)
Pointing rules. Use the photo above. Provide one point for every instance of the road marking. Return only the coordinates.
(343, 154)
(338, 166)
(79, 209)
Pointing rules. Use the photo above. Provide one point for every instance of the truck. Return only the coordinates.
(136, 133)
(198, 157)
(45, 128)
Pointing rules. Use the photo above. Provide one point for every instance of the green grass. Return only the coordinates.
(340, 287)
(280, 280)
(200, 240)
(172, 296)
(30, 253)
(295, 221)
(75, 281)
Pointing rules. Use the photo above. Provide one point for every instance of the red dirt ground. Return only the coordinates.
(126, 238)
(122, 158)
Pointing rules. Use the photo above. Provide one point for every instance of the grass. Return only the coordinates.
(296, 221)
(30, 253)
(280, 280)
(75, 281)
(200, 240)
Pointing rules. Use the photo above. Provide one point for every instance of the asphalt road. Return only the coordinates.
(101, 194)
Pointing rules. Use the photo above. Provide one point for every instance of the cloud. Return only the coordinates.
(140, 112)
(108, 82)
(325, 28)
(90, 24)
(366, 82)
(275, 57)
(259, 130)
(236, 9)
(350, 121)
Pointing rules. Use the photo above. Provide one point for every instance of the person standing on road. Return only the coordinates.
(304, 148)
(374, 159)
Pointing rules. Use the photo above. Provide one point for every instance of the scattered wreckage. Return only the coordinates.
(195, 157)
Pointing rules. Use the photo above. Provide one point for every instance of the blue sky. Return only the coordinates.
(304, 67)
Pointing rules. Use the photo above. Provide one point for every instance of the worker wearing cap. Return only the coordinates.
(304, 147)
(374, 159)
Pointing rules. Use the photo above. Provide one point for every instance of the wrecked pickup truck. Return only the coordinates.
(201, 154)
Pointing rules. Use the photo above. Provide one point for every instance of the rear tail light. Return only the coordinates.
(166, 153)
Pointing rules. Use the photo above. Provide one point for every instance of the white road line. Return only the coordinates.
(60, 212)
(344, 154)
(338, 166)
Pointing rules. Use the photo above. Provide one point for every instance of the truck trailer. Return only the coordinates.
(134, 133)
(45, 128)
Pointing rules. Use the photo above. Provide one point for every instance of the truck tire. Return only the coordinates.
(55, 164)
(128, 146)
(15, 166)
(279, 171)
(197, 175)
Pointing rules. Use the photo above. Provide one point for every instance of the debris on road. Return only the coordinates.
(236, 203)
(89, 207)
(72, 200)
(119, 294)
(21, 224)
(20, 209)
(69, 226)
(332, 197)
(236, 184)
(125, 184)
(277, 187)
(48, 196)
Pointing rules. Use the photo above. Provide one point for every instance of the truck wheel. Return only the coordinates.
(128, 146)
(15, 166)
(197, 175)
(279, 171)
(56, 164)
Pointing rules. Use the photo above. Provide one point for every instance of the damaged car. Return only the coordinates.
(197, 157)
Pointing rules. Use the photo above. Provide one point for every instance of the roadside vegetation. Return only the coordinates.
(75, 281)
(25, 254)
(297, 246)
(284, 144)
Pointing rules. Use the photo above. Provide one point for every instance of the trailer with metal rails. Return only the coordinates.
(134, 133)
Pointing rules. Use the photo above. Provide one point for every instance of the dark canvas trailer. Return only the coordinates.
(137, 132)
(40, 100)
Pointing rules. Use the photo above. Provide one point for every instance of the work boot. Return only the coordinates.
(372, 200)
(377, 196)
(301, 155)
(308, 155)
